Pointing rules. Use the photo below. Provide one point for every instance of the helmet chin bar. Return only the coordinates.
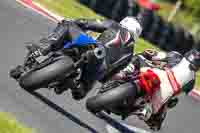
(192, 67)
(193, 56)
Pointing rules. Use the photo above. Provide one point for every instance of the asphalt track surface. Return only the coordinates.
(61, 114)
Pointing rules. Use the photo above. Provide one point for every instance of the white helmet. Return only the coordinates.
(133, 26)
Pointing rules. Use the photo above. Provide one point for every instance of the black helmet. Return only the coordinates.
(193, 56)
(173, 58)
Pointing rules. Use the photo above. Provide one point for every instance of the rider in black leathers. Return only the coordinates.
(117, 39)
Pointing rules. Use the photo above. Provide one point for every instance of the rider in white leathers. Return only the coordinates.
(176, 76)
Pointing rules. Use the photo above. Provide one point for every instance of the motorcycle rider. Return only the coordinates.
(149, 57)
(162, 85)
(117, 38)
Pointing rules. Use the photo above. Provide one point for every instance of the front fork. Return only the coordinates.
(94, 62)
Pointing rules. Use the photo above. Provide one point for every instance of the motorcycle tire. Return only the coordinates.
(34, 80)
(112, 97)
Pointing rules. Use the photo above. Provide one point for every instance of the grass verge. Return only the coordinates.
(8, 124)
(68, 8)
(73, 9)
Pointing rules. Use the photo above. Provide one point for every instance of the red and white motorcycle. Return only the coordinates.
(122, 97)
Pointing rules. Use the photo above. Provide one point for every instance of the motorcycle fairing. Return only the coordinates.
(165, 92)
(81, 40)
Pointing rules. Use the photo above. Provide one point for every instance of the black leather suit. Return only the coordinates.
(117, 41)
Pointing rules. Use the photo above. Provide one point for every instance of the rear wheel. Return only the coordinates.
(41, 78)
(111, 97)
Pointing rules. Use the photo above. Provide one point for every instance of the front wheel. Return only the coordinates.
(111, 97)
(41, 78)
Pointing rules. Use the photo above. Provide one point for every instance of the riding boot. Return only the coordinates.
(16, 72)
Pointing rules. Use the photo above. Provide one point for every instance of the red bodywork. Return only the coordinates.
(147, 4)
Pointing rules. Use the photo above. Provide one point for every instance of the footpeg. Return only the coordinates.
(145, 113)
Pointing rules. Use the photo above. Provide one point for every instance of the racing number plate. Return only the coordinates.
(40, 59)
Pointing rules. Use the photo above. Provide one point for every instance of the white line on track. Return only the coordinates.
(111, 129)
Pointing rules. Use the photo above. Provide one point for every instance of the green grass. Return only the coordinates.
(198, 80)
(8, 124)
(68, 8)
(73, 9)
(142, 44)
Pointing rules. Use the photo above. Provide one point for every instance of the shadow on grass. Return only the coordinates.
(62, 111)
(121, 128)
